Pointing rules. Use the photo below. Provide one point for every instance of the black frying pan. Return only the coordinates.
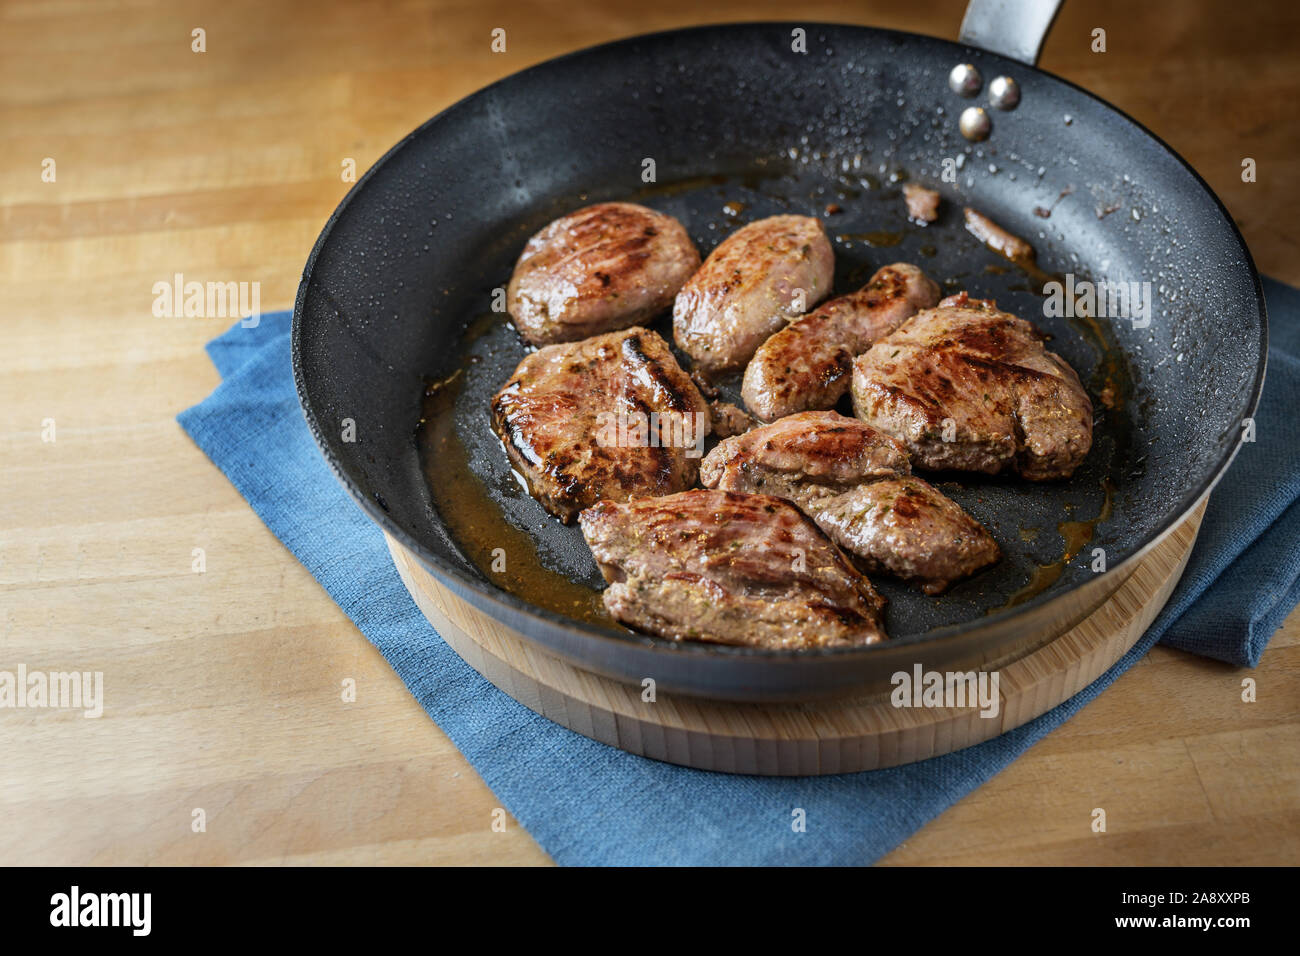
(398, 290)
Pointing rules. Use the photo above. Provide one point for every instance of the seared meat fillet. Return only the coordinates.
(808, 364)
(854, 482)
(753, 282)
(729, 569)
(909, 528)
(601, 268)
(559, 418)
(1007, 402)
(807, 453)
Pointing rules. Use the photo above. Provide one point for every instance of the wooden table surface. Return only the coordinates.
(223, 688)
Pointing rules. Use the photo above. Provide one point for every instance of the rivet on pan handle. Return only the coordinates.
(1014, 28)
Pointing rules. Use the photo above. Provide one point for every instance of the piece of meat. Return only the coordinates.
(814, 452)
(808, 364)
(757, 279)
(855, 483)
(601, 268)
(729, 569)
(729, 420)
(996, 238)
(965, 386)
(613, 416)
(910, 529)
(922, 203)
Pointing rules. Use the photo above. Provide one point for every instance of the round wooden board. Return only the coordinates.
(836, 736)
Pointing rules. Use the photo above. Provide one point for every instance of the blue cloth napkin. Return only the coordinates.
(586, 803)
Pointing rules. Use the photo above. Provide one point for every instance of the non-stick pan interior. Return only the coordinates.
(738, 126)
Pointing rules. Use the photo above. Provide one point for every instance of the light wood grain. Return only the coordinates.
(223, 688)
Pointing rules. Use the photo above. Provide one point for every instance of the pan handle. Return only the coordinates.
(1014, 28)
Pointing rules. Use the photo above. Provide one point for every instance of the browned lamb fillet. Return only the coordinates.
(854, 482)
(808, 364)
(910, 529)
(966, 386)
(598, 269)
(558, 417)
(922, 203)
(729, 569)
(757, 279)
(811, 452)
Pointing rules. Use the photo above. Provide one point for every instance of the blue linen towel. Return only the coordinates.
(586, 803)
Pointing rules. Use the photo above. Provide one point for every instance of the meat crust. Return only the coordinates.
(965, 386)
(601, 268)
(757, 279)
(729, 569)
(855, 483)
(808, 364)
(558, 417)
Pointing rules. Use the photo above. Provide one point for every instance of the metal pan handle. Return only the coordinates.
(1014, 28)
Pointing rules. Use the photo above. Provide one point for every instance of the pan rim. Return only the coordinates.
(484, 595)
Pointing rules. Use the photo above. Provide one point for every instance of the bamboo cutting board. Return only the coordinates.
(836, 736)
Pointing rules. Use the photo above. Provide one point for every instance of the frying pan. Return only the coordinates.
(398, 292)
